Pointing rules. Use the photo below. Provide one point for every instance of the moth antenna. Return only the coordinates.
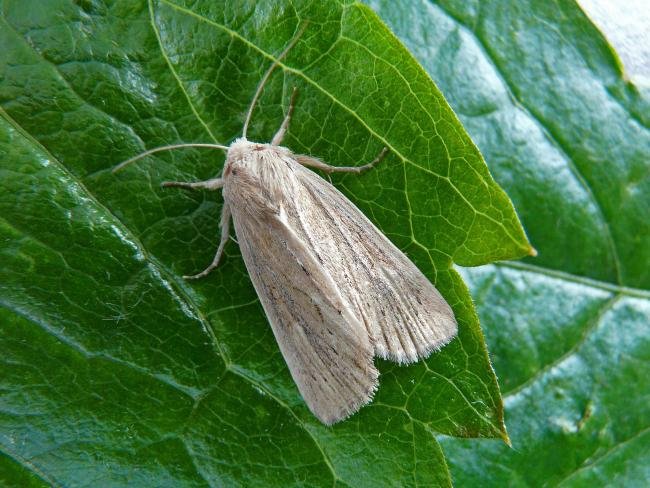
(265, 78)
(123, 164)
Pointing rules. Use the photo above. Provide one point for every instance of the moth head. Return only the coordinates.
(238, 149)
(242, 148)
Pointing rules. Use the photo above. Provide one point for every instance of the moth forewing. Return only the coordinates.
(335, 290)
(325, 346)
(404, 315)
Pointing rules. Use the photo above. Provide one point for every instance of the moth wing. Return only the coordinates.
(326, 348)
(405, 315)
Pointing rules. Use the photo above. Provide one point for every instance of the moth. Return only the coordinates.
(335, 290)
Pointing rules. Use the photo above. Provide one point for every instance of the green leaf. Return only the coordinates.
(116, 371)
(544, 97)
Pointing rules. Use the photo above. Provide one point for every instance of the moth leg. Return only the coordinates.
(328, 168)
(213, 184)
(225, 234)
(279, 135)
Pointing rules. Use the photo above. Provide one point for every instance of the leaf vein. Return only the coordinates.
(581, 280)
(348, 109)
(175, 74)
(604, 455)
(28, 465)
(589, 327)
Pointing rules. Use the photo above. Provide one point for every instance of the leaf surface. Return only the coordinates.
(114, 369)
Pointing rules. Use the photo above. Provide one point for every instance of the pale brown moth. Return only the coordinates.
(335, 290)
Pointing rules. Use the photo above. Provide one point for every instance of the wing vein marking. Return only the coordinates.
(405, 316)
